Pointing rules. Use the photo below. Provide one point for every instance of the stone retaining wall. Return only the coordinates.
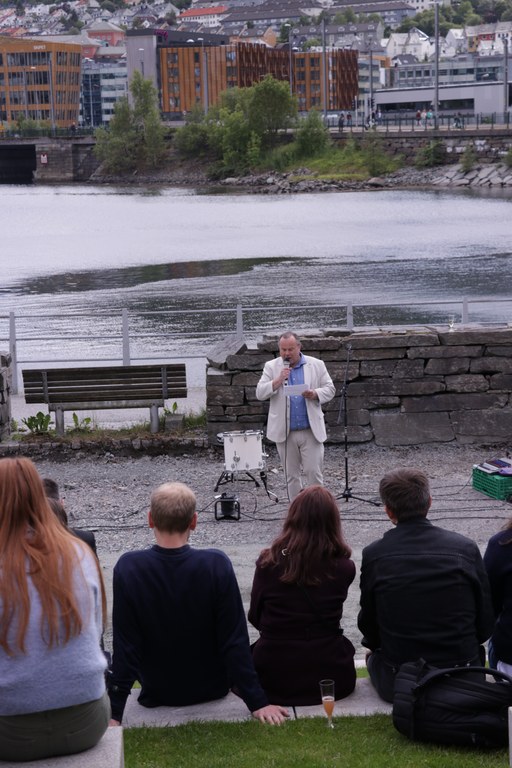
(404, 386)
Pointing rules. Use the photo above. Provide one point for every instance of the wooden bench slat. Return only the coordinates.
(136, 386)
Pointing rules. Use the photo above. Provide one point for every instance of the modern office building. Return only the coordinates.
(39, 80)
(195, 71)
(103, 84)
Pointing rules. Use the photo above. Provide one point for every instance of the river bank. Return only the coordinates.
(302, 180)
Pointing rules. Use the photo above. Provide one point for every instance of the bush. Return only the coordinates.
(433, 154)
(469, 158)
(508, 159)
(312, 137)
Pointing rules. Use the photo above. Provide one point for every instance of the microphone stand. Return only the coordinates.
(347, 493)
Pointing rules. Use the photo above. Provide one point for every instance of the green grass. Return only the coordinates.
(355, 742)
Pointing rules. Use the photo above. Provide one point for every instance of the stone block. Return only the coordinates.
(483, 426)
(355, 434)
(361, 417)
(447, 366)
(382, 340)
(454, 402)
(466, 383)
(225, 396)
(337, 371)
(501, 381)
(214, 412)
(246, 379)
(378, 368)
(246, 362)
(217, 378)
(245, 410)
(505, 351)
(489, 364)
(427, 353)
(318, 345)
(387, 387)
(230, 345)
(391, 353)
(409, 369)
(391, 428)
(478, 335)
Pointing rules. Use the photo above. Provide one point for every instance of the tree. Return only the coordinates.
(272, 108)
(135, 138)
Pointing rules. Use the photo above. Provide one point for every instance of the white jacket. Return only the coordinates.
(315, 377)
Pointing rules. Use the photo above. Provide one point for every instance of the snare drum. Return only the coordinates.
(243, 451)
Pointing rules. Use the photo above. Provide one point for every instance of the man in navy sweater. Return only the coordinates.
(178, 621)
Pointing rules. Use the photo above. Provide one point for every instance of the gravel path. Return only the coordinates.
(110, 495)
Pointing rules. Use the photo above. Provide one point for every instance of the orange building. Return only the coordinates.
(39, 80)
(192, 74)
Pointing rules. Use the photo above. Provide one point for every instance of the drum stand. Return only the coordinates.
(231, 477)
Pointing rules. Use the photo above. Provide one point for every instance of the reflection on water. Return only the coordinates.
(90, 252)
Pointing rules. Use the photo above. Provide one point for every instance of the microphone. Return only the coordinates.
(286, 364)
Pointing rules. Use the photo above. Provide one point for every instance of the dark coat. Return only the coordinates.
(498, 562)
(424, 594)
(300, 640)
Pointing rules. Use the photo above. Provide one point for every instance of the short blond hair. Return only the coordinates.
(172, 507)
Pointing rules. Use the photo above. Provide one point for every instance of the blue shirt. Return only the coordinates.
(298, 410)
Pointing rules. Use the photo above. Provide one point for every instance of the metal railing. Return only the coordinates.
(35, 339)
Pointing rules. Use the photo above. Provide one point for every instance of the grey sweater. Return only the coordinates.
(65, 675)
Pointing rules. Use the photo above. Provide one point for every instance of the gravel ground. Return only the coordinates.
(110, 495)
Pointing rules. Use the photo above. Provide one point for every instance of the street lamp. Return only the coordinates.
(52, 103)
(204, 75)
(290, 56)
(370, 41)
(141, 57)
(436, 73)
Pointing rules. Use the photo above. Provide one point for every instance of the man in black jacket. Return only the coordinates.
(424, 590)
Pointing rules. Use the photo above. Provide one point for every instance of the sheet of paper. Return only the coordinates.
(294, 389)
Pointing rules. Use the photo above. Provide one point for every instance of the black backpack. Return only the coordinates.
(458, 705)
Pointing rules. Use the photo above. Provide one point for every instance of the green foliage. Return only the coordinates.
(81, 425)
(508, 159)
(376, 160)
(38, 424)
(355, 742)
(312, 137)
(195, 420)
(469, 157)
(240, 128)
(431, 155)
(272, 108)
(135, 137)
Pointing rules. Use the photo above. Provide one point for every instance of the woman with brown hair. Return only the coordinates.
(298, 591)
(52, 607)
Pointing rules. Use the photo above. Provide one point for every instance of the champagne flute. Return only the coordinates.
(327, 694)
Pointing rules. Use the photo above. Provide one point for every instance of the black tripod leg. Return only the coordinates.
(271, 495)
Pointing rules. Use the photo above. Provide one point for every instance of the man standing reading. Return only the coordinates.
(178, 620)
(296, 424)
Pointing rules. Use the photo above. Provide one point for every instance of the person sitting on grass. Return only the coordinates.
(300, 584)
(179, 626)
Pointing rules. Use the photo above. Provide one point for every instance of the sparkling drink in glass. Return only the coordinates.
(327, 694)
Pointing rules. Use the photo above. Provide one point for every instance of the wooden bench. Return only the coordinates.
(125, 386)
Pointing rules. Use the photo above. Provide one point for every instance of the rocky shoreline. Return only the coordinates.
(302, 180)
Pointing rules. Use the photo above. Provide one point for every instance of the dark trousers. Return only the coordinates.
(382, 671)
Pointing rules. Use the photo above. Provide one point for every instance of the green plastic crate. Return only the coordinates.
(495, 486)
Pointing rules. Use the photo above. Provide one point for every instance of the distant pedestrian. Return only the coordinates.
(341, 121)
(349, 120)
(418, 117)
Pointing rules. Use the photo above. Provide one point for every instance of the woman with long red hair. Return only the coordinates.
(52, 609)
(300, 584)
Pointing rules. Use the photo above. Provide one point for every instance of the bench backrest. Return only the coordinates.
(141, 383)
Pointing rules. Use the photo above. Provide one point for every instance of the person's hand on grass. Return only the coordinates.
(272, 714)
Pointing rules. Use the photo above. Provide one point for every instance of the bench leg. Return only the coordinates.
(59, 422)
(153, 418)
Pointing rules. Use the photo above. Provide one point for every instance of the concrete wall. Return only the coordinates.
(5, 402)
(404, 386)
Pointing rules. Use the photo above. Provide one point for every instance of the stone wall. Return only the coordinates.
(488, 145)
(5, 400)
(404, 386)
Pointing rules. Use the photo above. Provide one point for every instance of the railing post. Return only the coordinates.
(13, 351)
(126, 338)
(350, 316)
(465, 310)
(239, 322)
